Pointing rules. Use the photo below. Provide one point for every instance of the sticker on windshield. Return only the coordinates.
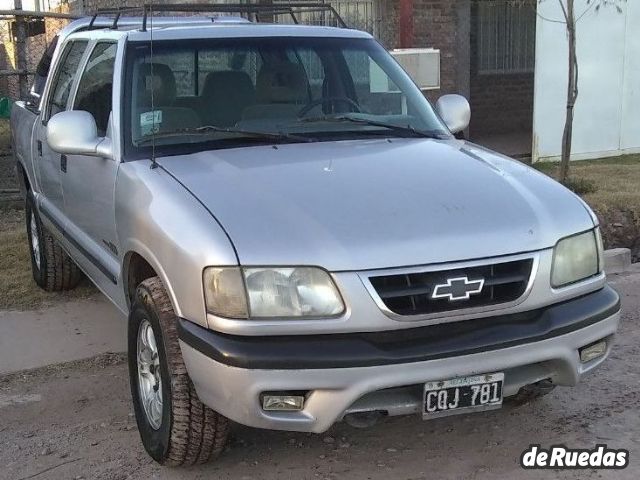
(150, 122)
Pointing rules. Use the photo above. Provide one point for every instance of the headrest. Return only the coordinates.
(223, 83)
(162, 82)
(283, 83)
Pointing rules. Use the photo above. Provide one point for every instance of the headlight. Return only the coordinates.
(576, 258)
(271, 292)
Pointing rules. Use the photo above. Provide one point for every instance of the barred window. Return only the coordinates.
(506, 36)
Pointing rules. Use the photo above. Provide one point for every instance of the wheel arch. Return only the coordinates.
(138, 265)
(23, 179)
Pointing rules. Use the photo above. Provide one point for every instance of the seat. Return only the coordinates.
(98, 102)
(281, 91)
(157, 92)
(158, 81)
(225, 95)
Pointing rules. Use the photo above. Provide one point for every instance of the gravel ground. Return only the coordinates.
(75, 421)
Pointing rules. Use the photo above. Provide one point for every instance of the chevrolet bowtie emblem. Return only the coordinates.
(459, 288)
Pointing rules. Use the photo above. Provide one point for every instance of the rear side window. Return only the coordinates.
(67, 69)
(42, 70)
(96, 85)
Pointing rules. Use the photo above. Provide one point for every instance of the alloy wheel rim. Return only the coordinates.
(35, 240)
(149, 380)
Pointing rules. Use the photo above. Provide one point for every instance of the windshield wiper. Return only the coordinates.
(374, 123)
(279, 136)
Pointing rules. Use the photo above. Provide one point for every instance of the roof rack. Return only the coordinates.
(117, 12)
(293, 9)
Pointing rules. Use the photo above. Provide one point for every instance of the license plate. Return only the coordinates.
(463, 395)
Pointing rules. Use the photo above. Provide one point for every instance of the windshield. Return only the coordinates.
(215, 92)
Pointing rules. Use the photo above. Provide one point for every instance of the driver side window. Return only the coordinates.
(68, 67)
(96, 85)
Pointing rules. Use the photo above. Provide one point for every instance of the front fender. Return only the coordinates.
(160, 220)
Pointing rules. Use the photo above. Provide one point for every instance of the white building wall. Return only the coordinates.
(607, 113)
(630, 127)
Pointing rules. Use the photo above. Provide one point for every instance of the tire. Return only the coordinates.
(532, 392)
(53, 270)
(186, 432)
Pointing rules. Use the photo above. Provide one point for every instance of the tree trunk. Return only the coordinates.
(21, 52)
(572, 93)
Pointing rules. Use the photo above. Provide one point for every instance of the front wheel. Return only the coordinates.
(176, 428)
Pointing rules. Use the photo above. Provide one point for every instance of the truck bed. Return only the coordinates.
(23, 119)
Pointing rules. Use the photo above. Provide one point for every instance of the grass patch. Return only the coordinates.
(581, 186)
(7, 172)
(18, 290)
(611, 186)
(616, 181)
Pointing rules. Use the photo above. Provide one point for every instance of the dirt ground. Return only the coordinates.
(75, 422)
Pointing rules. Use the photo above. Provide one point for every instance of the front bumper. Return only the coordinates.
(347, 373)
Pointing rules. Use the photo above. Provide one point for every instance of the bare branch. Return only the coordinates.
(546, 19)
(564, 10)
(586, 10)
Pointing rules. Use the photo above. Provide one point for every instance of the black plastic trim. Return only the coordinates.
(401, 346)
(97, 263)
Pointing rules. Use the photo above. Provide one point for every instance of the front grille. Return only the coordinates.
(412, 293)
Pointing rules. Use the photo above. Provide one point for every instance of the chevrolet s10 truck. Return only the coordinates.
(296, 234)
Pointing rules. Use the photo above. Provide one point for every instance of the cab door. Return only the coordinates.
(49, 163)
(88, 183)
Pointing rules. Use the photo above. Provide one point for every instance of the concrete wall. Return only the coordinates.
(607, 112)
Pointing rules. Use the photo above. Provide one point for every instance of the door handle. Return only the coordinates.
(39, 147)
(63, 163)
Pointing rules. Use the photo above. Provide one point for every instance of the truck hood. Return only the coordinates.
(368, 204)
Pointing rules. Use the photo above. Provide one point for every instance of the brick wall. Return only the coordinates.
(500, 103)
(388, 31)
(82, 7)
(435, 25)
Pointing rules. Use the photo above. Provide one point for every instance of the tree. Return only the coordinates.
(571, 21)
(572, 89)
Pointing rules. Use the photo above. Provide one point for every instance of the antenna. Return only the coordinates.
(153, 105)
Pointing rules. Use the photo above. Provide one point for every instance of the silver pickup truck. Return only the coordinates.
(296, 235)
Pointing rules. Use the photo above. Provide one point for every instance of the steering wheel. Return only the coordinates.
(323, 101)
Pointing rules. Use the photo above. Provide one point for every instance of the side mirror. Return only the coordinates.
(75, 133)
(455, 111)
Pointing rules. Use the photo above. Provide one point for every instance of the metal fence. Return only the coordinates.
(24, 37)
(360, 14)
(506, 36)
